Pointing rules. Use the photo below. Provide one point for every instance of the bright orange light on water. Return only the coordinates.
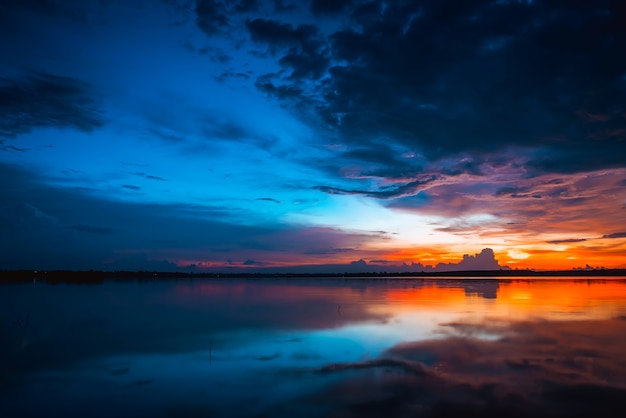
(517, 298)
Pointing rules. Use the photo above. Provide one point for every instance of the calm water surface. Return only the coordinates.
(314, 348)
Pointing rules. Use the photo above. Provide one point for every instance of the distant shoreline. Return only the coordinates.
(73, 276)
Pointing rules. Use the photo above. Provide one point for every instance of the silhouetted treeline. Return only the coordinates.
(54, 276)
(96, 277)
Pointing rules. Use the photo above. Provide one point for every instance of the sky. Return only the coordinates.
(322, 135)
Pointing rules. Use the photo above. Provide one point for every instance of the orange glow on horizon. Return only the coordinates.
(534, 259)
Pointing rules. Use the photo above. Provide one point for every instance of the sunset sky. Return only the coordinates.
(322, 135)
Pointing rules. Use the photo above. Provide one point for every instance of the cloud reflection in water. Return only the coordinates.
(315, 348)
(542, 368)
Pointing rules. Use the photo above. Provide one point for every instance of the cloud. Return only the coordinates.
(615, 235)
(382, 261)
(44, 100)
(20, 217)
(566, 241)
(4, 147)
(227, 130)
(305, 52)
(322, 7)
(462, 112)
(130, 234)
(232, 74)
(512, 191)
(282, 6)
(45, 220)
(191, 125)
(325, 251)
(211, 16)
(247, 6)
(148, 176)
(485, 260)
(407, 189)
(278, 34)
(475, 206)
(268, 199)
(407, 73)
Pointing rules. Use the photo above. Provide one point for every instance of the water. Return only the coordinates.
(314, 348)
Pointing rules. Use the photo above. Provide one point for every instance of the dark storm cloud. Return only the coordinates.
(211, 16)
(305, 51)
(282, 6)
(247, 6)
(279, 34)
(282, 92)
(216, 16)
(615, 235)
(380, 153)
(321, 7)
(44, 100)
(479, 77)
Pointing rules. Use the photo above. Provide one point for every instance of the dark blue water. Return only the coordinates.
(326, 348)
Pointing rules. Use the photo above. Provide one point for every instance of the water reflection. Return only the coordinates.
(314, 348)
